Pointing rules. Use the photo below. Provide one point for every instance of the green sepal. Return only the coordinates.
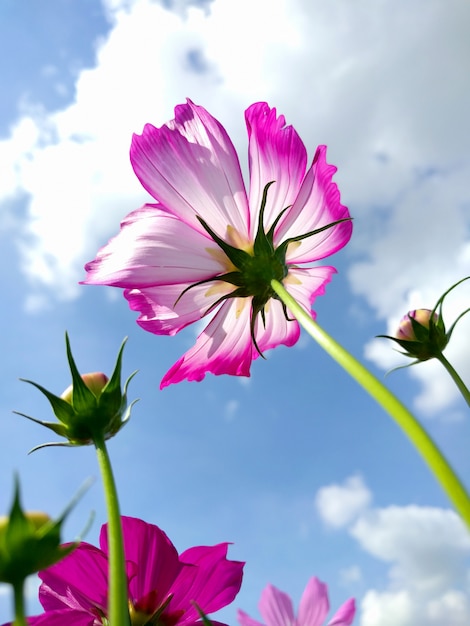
(205, 620)
(88, 415)
(30, 542)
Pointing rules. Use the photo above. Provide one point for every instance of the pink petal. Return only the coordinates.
(155, 557)
(276, 153)
(154, 248)
(66, 616)
(317, 204)
(223, 347)
(276, 608)
(160, 315)
(190, 166)
(344, 615)
(276, 330)
(212, 582)
(79, 582)
(314, 605)
(245, 620)
(306, 284)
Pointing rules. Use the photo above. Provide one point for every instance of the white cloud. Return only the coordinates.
(384, 84)
(339, 505)
(426, 551)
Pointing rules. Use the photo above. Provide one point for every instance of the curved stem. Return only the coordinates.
(456, 378)
(118, 610)
(383, 396)
(18, 593)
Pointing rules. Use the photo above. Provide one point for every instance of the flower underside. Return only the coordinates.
(255, 270)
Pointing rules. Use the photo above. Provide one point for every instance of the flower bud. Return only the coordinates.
(92, 408)
(423, 317)
(95, 381)
(29, 542)
(421, 334)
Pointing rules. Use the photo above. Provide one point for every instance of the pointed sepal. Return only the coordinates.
(92, 407)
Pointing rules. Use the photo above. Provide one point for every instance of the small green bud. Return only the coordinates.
(29, 542)
(92, 407)
(422, 332)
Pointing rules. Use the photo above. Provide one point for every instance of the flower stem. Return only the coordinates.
(384, 397)
(118, 611)
(455, 377)
(18, 593)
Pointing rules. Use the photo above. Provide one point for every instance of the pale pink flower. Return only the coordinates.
(209, 246)
(276, 608)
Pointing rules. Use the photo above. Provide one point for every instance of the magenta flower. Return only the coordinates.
(162, 585)
(276, 608)
(209, 246)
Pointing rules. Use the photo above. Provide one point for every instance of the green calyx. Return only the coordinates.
(255, 270)
(87, 413)
(30, 542)
(430, 339)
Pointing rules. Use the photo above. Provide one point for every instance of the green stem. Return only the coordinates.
(455, 377)
(406, 420)
(118, 610)
(18, 593)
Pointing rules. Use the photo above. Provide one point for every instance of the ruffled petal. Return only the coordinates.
(79, 581)
(223, 347)
(155, 248)
(276, 330)
(155, 557)
(191, 166)
(344, 615)
(211, 580)
(317, 204)
(276, 608)
(276, 153)
(306, 284)
(245, 620)
(314, 605)
(162, 313)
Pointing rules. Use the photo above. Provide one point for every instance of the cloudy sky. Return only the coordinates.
(295, 465)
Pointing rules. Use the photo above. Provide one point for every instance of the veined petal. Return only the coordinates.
(276, 330)
(276, 153)
(191, 166)
(317, 204)
(155, 248)
(344, 615)
(66, 616)
(276, 608)
(215, 584)
(223, 347)
(160, 315)
(153, 553)
(314, 605)
(306, 284)
(79, 581)
(245, 620)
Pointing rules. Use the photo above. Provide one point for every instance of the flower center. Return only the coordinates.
(142, 614)
(254, 270)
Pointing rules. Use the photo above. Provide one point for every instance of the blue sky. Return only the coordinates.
(295, 466)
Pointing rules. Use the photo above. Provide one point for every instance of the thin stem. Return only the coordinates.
(455, 377)
(384, 397)
(18, 593)
(118, 611)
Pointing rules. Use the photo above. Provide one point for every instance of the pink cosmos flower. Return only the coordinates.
(162, 585)
(276, 608)
(209, 246)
